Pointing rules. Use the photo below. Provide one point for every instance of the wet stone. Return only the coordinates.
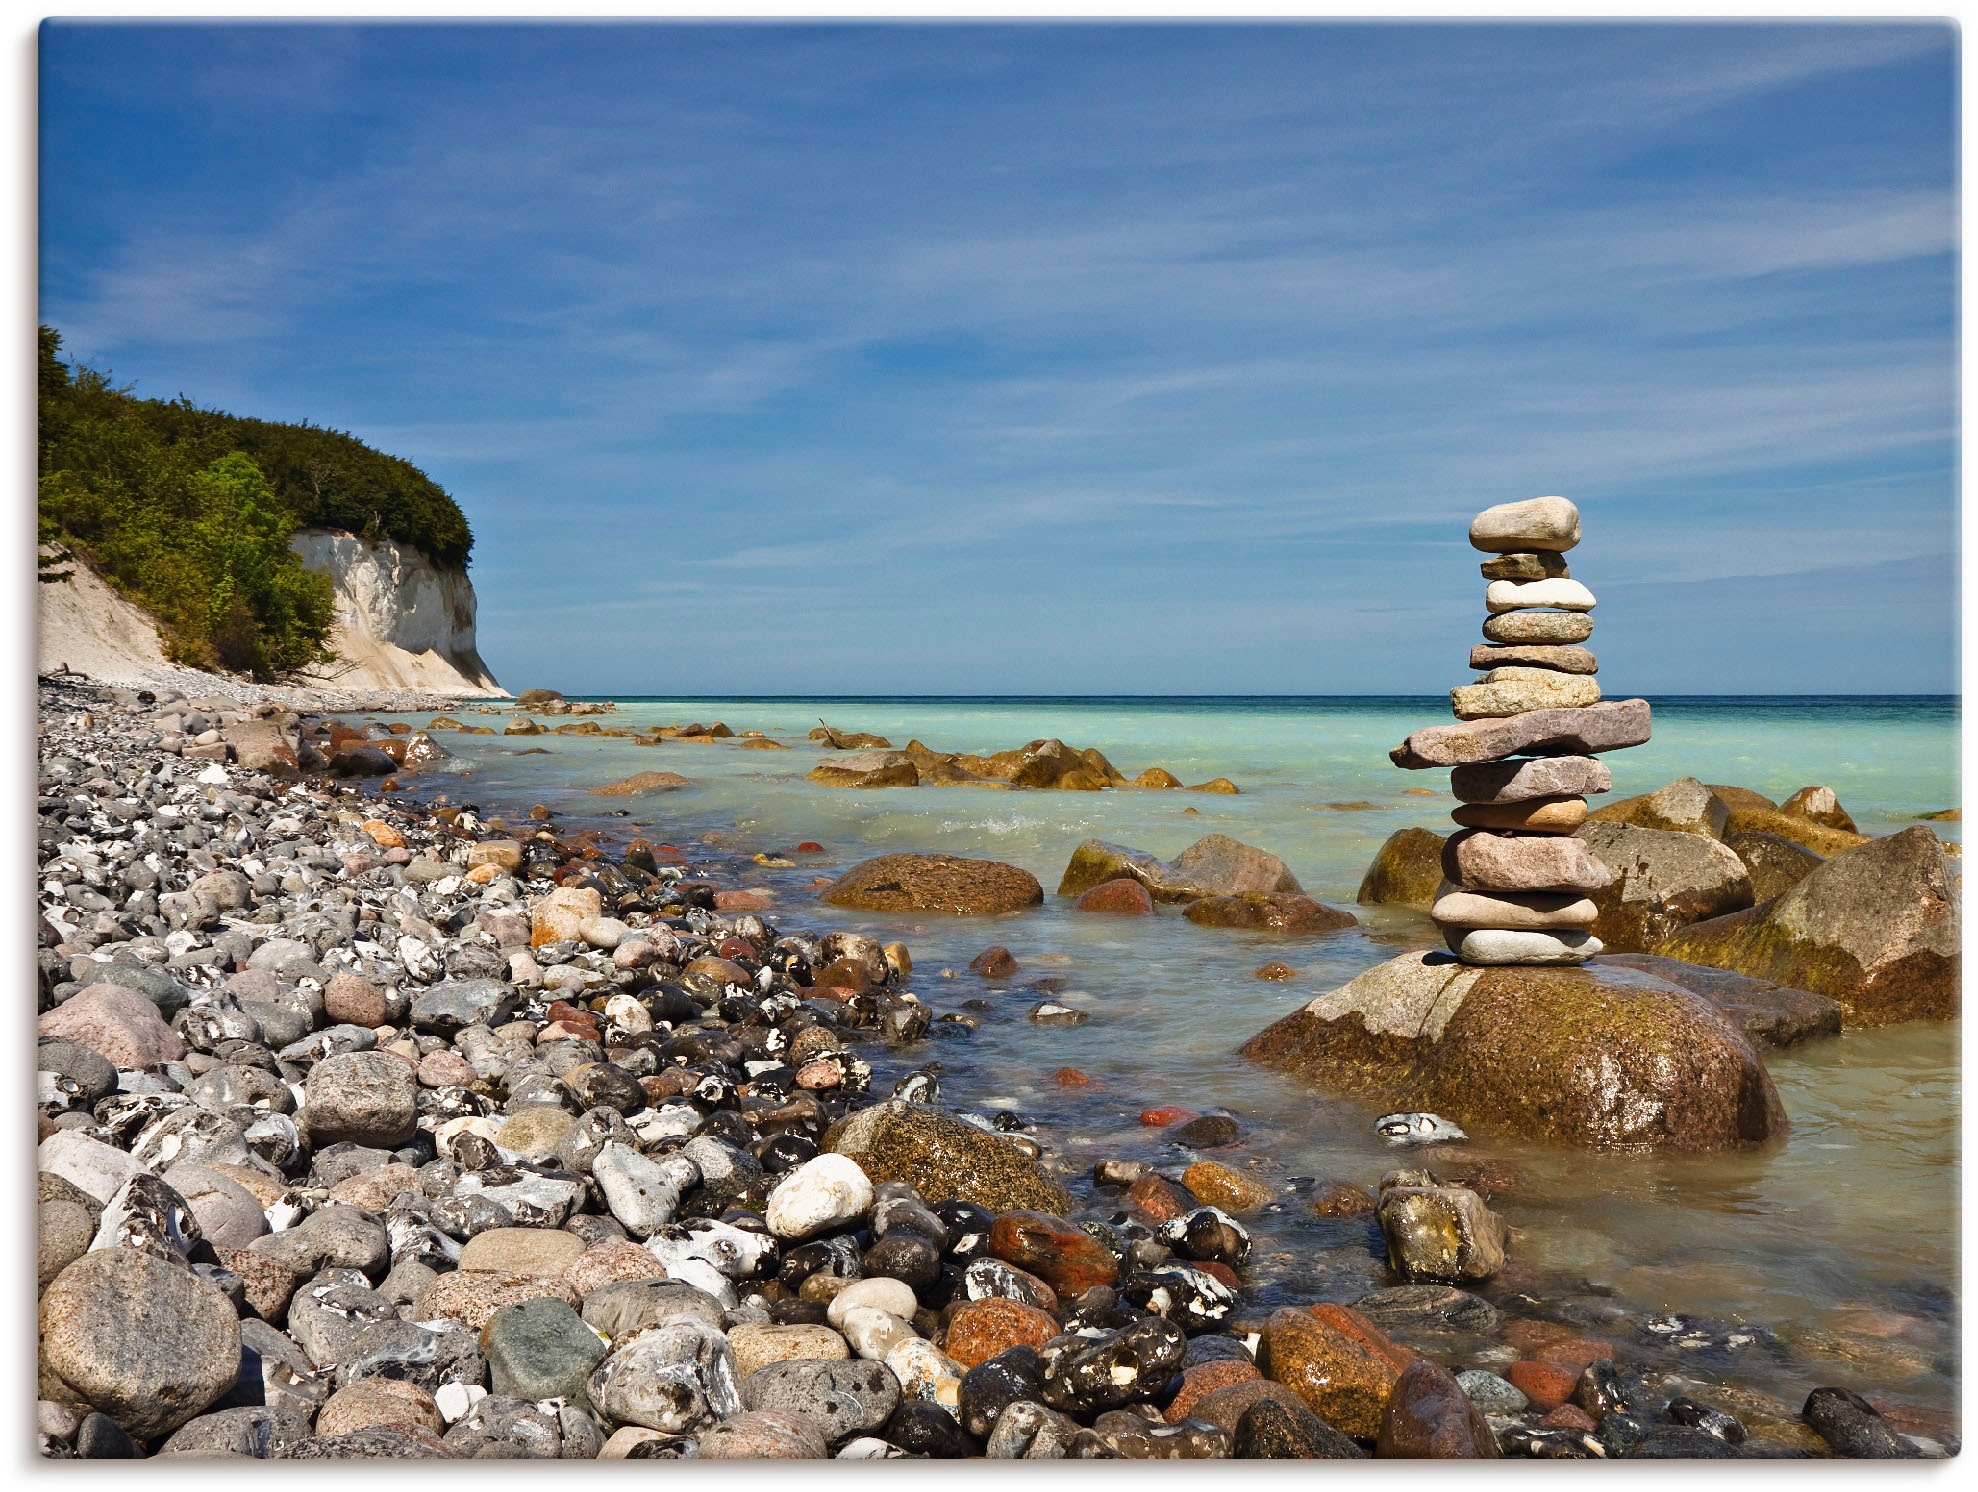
(1138, 1438)
(1270, 1430)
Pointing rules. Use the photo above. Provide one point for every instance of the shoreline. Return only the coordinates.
(477, 935)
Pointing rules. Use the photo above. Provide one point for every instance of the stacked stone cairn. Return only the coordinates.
(1523, 753)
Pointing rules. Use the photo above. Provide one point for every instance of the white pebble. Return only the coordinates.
(819, 1194)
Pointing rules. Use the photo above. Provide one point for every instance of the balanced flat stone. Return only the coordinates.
(1516, 911)
(1529, 564)
(1498, 946)
(1514, 691)
(1539, 626)
(1521, 782)
(1533, 816)
(1547, 595)
(1537, 523)
(1534, 655)
(1478, 860)
(1608, 726)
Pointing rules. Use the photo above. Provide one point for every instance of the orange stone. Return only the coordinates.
(1204, 1379)
(384, 834)
(1167, 1113)
(1546, 1384)
(1157, 1198)
(1575, 1353)
(981, 1329)
(1568, 1417)
(1071, 1077)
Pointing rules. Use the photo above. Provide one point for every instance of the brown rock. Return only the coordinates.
(1337, 1361)
(1736, 798)
(1662, 880)
(1430, 1417)
(523, 1251)
(1219, 1186)
(1156, 777)
(354, 1001)
(1564, 659)
(1608, 726)
(1065, 1257)
(994, 963)
(1534, 816)
(867, 769)
(935, 883)
(1820, 806)
(983, 1328)
(1225, 1407)
(1343, 1199)
(1215, 865)
(1406, 872)
(1198, 1382)
(115, 1022)
(1215, 785)
(1263, 912)
(471, 1296)
(378, 1401)
(503, 854)
(1801, 831)
(609, 1262)
(1573, 1056)
(1276, 972)
(638, 782)
(1526, 564)
(1539, 627)
(1769, 1014)
(1478, 860)
(1685, 806)
(1776, 865)
(944, 1157)
(1546, 1384)
(1125, 896)
(1158, 1199)
(1876, 928)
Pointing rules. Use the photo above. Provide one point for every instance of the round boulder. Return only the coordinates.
(935, 883)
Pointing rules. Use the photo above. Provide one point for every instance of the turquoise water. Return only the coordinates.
(1843, 1241)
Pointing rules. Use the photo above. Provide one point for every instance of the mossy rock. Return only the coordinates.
(943, 1157)
(934, 883)
(1876, 928)
(1407, 871)
(1801, 831)
(1614, 1058)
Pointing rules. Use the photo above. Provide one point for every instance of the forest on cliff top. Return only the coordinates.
(189, 512)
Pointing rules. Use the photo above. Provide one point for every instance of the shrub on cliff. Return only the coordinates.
(189, 511)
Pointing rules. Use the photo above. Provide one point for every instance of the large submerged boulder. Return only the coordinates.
(1875, 928)
(934, 883)
(1609, 1057)
(1663, 879)
(1769, 1014)
(1215, 865)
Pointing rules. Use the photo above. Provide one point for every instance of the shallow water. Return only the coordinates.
(1841, 1244)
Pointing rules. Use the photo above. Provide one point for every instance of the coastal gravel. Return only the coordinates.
(369, 1128)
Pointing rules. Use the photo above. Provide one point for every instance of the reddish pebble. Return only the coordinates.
(1343, 1199)
(810, 847)
(1568, 1417)
(1126, 898)
(570, 1031)
(741, 901)
(819, 1075)
(1204, 1379)
(1575, 1354)
(1167, 1113)
(983, 1328)
(1546, 1384)
(1159, 1199)
(1071, 1077)
(1216, 1269)
(734, 948)
(1066, 1257)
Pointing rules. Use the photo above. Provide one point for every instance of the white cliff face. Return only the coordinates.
(402, 621)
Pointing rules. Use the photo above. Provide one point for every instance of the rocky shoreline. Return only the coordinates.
(372, 1128)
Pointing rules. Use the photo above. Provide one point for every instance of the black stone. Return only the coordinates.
(1087, 1374)
(922, 1429)
(992, 1386)
(100, 1438)
(1271, 1430)
(1855, 1427)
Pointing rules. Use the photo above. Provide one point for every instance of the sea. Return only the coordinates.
(1831, 1258)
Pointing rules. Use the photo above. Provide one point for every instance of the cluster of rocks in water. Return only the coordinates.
(373, 1131)
(870, 761)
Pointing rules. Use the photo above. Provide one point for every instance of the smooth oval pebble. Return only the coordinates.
(1545, 595)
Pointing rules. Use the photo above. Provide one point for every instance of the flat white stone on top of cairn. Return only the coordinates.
(1517, 886)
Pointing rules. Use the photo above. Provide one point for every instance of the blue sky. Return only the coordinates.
(1049, 359)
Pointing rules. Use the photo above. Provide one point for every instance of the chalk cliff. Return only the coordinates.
(403, 622)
